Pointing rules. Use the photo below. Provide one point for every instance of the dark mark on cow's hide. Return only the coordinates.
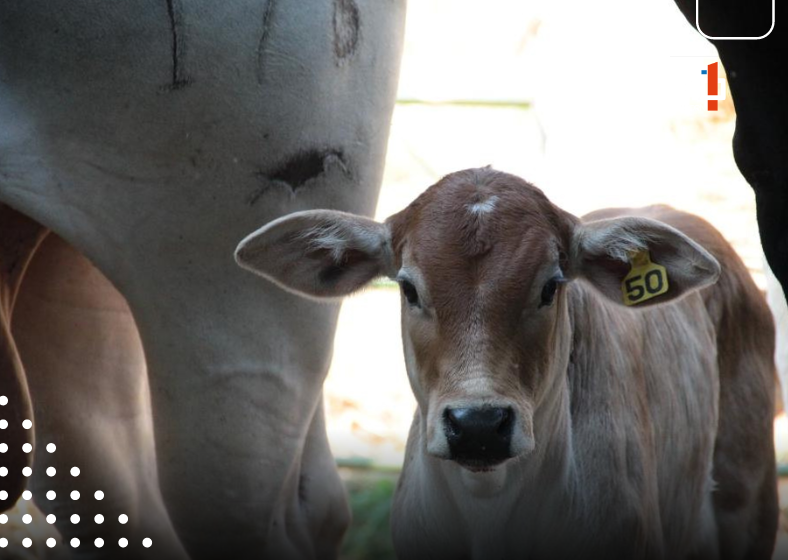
(298, 170)
(307, 165)
(346, 28)
(175, 13)
(108, 171)
(266, 28)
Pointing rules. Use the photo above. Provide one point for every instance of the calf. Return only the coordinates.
(556, 418)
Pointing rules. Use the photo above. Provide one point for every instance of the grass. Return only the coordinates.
(370, 492)
(496, 103)
(384, 283)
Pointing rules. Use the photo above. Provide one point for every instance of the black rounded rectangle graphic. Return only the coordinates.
(735, 19)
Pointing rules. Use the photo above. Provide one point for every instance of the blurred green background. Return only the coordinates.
(369, 491)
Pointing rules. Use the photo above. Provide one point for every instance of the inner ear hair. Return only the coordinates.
(617, 243)
(340, 239)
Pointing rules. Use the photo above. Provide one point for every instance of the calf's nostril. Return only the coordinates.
(452, 421)
(506, 422)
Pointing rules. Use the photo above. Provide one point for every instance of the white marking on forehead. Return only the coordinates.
(484, 207)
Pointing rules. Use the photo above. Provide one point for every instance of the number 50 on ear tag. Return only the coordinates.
(645, 281)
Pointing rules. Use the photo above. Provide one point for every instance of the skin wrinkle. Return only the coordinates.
(263, 43)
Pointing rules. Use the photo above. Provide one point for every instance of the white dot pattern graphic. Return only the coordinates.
(51, 495)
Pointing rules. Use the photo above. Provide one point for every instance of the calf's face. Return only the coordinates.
(482, 259)
(481, 269)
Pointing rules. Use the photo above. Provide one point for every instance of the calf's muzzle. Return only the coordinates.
(479, 438)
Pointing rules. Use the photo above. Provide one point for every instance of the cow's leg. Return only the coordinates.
(320, 485)
(86, 372)
(236, 386)
(19, 238)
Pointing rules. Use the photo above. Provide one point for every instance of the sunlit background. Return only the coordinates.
(598, 103)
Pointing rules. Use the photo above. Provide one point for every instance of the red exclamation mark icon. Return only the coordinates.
(712, 85)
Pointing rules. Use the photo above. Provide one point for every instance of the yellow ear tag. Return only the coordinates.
(645, 281)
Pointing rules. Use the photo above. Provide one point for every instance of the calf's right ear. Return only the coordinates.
(318, 253)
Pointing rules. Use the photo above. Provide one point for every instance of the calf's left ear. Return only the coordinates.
(638, 261)
(318, 253)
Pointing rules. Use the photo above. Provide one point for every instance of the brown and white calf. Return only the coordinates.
(553, 421)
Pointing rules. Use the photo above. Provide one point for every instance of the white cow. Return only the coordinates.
(149, 136)
(552, 421)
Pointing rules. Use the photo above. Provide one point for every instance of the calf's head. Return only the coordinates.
(482, 259)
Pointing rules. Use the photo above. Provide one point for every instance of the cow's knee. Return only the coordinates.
(235, 385)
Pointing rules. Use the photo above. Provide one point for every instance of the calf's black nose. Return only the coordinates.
(479, 437)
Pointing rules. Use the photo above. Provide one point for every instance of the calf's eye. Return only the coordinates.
(410, 293)
(548, 291)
